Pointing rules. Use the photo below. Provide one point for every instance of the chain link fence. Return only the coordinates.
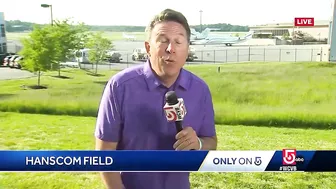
(238, 54)
(255, 54)
(206, 55)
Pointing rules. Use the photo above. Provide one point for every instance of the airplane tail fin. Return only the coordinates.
(249, 35)
(193, 31)
(205, 32)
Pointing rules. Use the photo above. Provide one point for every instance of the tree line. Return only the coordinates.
(48, 46)
(20, 26)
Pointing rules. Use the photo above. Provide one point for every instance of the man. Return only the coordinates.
(131, 115)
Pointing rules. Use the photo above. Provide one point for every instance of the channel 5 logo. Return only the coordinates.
(288, 156)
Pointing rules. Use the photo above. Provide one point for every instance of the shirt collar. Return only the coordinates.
(153, 82)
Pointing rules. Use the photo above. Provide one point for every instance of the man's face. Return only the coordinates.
(168, 48)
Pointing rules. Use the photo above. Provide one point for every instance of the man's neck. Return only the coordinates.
(168, 81)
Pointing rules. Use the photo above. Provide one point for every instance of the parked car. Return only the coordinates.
(11, 61)
(139, 54)
(114, 56)
(6, 61)
(82, 56)
(192, 55)
(17, 63)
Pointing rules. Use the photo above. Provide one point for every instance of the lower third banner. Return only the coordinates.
(164, 161)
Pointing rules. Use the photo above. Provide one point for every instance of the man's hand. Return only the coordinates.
(186, 140)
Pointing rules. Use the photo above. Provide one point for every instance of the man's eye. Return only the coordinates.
(163, 40)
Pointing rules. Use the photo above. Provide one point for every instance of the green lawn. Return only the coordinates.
(16, 36)
(275, 94)
(36, 132)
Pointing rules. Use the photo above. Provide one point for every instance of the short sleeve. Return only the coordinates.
(208, 128)
(108, 123)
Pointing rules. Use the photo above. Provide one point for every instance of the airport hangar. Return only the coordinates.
(320, 30)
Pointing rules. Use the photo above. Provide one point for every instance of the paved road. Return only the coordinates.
(112, 66)
(7, 73)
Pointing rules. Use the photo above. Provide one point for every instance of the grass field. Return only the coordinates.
(16, 36)
(37, 132)
(274, 94)
(259, 106)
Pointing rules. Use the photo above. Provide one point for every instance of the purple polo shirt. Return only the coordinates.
(131, 113)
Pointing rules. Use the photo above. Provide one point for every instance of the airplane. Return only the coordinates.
(227, 40)
(195, 36)
(129, 37)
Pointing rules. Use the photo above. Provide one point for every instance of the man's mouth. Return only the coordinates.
(168, 59)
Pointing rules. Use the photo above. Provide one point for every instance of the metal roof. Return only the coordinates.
(317, 23)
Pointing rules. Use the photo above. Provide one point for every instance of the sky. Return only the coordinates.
(139, 12)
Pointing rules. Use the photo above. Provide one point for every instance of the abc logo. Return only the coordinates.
(299, 159)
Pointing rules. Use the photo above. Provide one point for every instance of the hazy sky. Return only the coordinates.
(139, 12)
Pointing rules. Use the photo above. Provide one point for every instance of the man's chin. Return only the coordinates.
(170, 73)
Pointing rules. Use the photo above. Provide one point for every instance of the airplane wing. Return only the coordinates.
(129, 37)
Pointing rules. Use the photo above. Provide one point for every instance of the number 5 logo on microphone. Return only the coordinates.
(170, 113)
(288, 156)
(182, 108)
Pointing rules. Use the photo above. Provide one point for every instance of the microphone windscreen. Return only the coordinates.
(171, 98)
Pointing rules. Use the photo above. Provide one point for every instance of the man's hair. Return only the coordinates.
(165, 16)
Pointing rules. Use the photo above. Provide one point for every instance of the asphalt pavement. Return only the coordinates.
(8, 73)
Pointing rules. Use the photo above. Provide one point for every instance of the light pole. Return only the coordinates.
(51, 13)
(201, 20)
(332, 52)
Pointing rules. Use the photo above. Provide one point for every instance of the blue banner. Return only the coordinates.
(101, 160)
(290, 160)
(161, 161)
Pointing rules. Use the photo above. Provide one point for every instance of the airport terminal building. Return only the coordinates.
(320, 30)
(3, 39)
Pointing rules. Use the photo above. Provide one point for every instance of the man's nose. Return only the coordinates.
(171, 48)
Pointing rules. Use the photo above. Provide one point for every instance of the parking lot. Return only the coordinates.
(8, 73)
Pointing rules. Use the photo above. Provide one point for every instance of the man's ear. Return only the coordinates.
(147, 46)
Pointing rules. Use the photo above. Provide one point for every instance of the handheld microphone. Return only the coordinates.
(175, 109)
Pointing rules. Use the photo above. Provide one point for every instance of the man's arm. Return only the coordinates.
(209, 143)
(207, 134)
(109, 121)
(111, 180)
(187, 139)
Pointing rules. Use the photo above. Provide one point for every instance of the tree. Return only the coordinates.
(285, 36)
(99, 47)
(38, 51)
(68, 38)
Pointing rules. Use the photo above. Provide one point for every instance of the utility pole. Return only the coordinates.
(332, 53)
